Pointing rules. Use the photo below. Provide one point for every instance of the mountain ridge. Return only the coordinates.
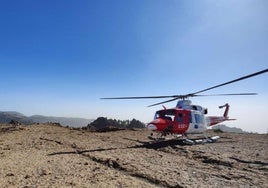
(225, 128)
(7, 116)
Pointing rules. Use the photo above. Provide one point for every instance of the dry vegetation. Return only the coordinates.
(55, 156)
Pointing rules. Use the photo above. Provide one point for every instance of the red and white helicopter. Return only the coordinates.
(187, 118)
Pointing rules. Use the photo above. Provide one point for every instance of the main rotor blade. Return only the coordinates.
(185, 96)
(175, 97)
(164, 102)
(227, 94)
(146, 97)
(236, 80)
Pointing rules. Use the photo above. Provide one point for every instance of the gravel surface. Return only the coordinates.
(55, 156)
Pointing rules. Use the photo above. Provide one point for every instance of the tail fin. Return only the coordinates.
(226, 110)
(213, 120)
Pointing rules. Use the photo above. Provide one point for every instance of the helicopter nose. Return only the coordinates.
(151, 127)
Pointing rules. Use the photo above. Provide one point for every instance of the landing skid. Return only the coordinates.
(186, 140)
(163, 137)
(201, 141)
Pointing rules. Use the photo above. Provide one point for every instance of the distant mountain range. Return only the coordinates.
(224, 128)
(6, 117)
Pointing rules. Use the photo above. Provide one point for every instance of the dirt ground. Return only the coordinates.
(54, 156)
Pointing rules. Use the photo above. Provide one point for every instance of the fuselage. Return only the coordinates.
(178, 121)
(188, 120)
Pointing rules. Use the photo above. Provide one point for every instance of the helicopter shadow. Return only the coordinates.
(173, 143)
(157, 145)
(142, 144)
(78, 151)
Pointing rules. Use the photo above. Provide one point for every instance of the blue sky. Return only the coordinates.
(59, 57)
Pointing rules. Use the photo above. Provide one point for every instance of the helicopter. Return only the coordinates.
(186, 118)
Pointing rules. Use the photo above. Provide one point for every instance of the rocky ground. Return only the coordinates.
(55, 156)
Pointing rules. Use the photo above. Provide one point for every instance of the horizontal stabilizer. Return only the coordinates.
(230, 119)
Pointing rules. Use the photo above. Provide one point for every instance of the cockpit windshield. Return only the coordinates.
(165, 114)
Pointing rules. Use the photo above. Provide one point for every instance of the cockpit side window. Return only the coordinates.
(180, 118)
(165, 114)
(190, 118)
(158, 114)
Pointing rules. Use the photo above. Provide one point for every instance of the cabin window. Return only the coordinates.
(199, 118)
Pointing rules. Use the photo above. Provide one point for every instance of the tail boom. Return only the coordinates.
(213, 120)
